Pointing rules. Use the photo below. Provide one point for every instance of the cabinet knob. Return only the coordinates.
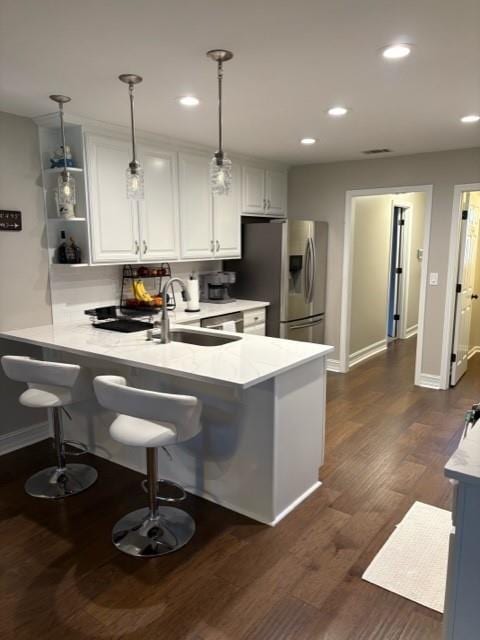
(212, 246)
(218, 245)
(145, 247)
(137, 247)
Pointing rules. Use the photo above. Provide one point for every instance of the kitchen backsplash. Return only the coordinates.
(75, 289)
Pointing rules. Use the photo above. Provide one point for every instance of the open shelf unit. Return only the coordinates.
(76, 227)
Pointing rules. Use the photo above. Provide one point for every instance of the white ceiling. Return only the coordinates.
(293, 59)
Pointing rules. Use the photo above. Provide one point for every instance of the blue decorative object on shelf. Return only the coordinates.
(57, 159)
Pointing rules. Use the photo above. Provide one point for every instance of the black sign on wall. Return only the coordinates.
(10, 220)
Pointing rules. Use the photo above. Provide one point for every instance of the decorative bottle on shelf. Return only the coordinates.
(68, 252)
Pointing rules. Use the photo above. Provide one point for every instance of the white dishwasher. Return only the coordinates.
(227, 322)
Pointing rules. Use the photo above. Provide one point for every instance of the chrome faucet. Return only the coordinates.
(165, 337)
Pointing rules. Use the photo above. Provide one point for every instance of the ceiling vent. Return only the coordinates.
(372, 152)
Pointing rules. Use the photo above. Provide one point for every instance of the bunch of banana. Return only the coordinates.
(140, 293)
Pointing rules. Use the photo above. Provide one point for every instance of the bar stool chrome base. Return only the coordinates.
(143, 536)
(53, 483)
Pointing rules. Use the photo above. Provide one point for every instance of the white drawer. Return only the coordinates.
(255, 329)
(253, 317)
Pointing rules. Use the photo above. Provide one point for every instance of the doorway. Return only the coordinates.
(463, 337)
(386, 249)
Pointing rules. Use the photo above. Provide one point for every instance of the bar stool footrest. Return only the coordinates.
(168, 485)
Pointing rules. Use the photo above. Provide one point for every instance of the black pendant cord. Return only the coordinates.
(219, 154)
(62, 130)
(133, 163)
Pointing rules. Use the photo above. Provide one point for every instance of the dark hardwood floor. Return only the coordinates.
(387, 443)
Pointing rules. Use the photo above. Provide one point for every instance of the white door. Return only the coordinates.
(253, 190)
(227, 220)
(466, 278)
(276, 193)
(196, 228)
(158, 211)
(113, 218)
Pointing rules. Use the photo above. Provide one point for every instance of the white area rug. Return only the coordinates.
(413, 561)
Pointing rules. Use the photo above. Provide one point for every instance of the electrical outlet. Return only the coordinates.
(433, 279)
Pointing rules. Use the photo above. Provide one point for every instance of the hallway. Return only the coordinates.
(387, 443)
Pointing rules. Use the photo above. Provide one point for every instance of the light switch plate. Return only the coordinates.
(433, 279)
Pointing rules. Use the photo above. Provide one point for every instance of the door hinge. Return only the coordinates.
(459, 287)
(401, 223)
(453, 357)
(465, 215)
(399, 270)
(396, 316)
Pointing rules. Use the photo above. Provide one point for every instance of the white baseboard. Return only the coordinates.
(333, 365)
(472, 351)
(410, 332)
(429, 381)
(23, 437)
(367, 352)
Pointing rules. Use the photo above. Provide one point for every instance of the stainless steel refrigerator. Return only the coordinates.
(285, 263)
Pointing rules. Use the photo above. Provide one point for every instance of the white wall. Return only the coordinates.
(372, 224)
(318, 192)
(415, 231)
(24, 292)
(77, 289)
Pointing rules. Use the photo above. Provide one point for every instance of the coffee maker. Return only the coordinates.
(214, 286)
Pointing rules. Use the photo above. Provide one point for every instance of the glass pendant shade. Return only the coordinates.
(221, 175)
(66, 194)
(135, 190)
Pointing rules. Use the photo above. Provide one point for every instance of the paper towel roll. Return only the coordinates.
(193, 293)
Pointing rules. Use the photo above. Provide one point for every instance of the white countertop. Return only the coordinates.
(464, 465)
(210, 309)
(242, 363)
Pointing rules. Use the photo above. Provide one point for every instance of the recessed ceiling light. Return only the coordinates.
(308, 140)
(473, 117)
(337, 112)
(189, 101)
(396, 51)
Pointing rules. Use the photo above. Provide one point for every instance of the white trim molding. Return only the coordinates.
(367, 352)
(23, 437)
(333, 365)
(347, 269)
(410, 332)
(473, 351)
(429, 381)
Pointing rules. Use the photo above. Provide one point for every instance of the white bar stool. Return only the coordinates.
(53, 386)
(150, 419)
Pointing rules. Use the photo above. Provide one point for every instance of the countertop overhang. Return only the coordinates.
(241, 364)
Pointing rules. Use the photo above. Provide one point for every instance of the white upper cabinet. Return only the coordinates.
(196, 224)
(276, 193)
(158, 212)
(264, 192)
(253, 190)
(227, 220)
(113, 218)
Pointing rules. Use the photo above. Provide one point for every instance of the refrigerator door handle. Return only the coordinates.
(306, 325)
(312, 270)
(306, 272)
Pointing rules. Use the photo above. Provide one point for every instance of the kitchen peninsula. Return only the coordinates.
(262, 437)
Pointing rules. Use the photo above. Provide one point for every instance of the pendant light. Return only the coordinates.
(65, 194)
(220, 165)
(134, 170)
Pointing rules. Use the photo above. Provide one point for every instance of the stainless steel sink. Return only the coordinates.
(201, 339)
